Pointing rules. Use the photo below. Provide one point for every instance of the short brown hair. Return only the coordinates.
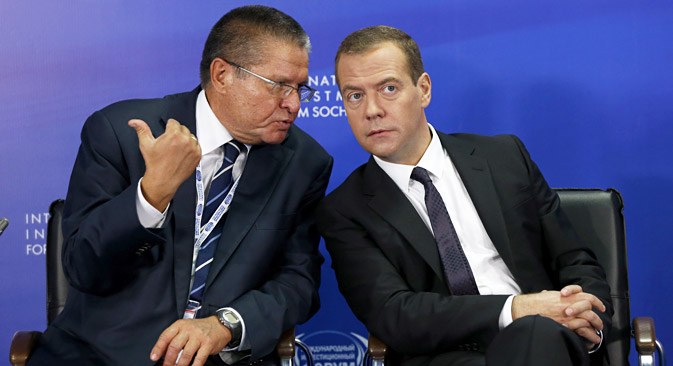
(366, 39)
(240, 34)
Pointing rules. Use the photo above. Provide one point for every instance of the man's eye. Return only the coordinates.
(388, 89)
(354, 97)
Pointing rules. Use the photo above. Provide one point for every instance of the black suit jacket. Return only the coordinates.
(129, 283)
(386, 259)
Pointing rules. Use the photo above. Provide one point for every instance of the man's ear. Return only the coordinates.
(425, 88)
(220, 74)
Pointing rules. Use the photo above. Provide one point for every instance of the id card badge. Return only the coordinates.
(192, 309)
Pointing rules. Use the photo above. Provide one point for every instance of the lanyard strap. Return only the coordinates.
(202, 232)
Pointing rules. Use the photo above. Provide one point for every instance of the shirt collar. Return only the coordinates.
(210, 132)
(431, 161)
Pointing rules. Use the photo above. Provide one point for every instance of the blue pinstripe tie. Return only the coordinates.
(219, 187)
(456, 267)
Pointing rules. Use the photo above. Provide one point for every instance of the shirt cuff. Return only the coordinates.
(244, 345)
(149, 217)
(506, 313)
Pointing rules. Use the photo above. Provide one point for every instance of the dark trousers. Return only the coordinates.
(529, 341)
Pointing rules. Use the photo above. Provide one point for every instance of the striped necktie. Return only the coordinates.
(456, 267)
(219, 187)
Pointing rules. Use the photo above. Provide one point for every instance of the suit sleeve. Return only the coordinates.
(101, 230)
(572, 262)
(290, 295)
(408, 320)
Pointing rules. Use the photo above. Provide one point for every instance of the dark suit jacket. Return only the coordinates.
(129, 283)
(387, 264)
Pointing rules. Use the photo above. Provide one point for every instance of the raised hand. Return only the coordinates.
(169, 160)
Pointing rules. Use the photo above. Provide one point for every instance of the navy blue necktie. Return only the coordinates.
(456, 267)
(219, 187)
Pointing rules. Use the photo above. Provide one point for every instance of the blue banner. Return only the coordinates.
(586, 85)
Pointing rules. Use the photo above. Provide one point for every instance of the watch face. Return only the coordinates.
(230, 317)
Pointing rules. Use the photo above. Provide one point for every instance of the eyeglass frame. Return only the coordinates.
(286, 89)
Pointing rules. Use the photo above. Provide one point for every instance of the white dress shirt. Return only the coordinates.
(211, 135)
(490, 272)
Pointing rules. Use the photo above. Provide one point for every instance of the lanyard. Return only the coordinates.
(201, 233)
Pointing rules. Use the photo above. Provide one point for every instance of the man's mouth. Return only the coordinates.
(376, 132)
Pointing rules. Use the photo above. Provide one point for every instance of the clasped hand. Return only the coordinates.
(570, 307)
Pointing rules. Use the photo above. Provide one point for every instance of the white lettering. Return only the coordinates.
(324, 81)
(325, 111)
(303, 112)
(36, 249)
(316, 96)
(339, 98)
(37, 218)
(39, 234)
(327, 93)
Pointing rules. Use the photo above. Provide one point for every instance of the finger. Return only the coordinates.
(174, 348)
(589, 334)
(596, 303)
(184, 130)
(172, 124)
(576, 323)
(599, 306)
(571, 289)
(143, 130)
(164, 340)
(593, 319)
(188, 352)
(577, 307)
(201, 357)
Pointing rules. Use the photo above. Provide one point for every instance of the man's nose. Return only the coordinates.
(291, 102)
(373, 107)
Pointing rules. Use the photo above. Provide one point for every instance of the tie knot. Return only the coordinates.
(232, 149)
(421, 175)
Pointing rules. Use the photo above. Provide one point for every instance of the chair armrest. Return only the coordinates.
(22, 346)
(643, 329)
(376, 348)
(285, 345)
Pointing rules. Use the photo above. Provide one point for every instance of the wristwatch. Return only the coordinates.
(230, 320)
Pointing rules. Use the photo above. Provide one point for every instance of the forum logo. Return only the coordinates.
(333, 348)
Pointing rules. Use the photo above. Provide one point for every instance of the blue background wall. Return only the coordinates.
(588, 86)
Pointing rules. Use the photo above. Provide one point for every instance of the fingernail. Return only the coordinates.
(569, 311)
(154, 357)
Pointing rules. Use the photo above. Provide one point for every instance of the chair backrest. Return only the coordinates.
(57, 285)
(597, 216)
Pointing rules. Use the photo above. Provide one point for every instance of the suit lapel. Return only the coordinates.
(476, 176)
(393, 206)
(183, 109)
(263, 169)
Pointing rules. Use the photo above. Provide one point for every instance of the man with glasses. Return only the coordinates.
(188, 226)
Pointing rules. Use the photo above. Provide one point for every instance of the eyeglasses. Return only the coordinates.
(279, 89)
